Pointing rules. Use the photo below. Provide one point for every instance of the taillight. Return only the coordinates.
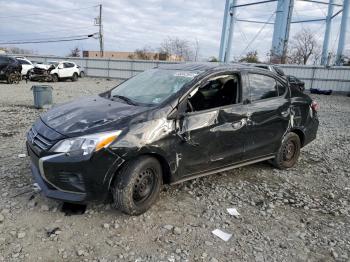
(315, 106)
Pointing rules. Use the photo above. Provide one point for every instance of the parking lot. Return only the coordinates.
(298, 214)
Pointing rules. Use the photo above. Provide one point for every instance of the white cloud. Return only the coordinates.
(132, 24)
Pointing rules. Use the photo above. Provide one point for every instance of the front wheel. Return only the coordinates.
(137, 185)
(75, 77)
(54, 78)
(289, 152)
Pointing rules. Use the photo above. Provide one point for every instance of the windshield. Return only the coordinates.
(53, 63)
(154, 86)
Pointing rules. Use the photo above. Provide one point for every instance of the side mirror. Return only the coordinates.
(60, 66)
(178, 112)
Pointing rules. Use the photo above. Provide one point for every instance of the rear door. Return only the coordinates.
(269, 115)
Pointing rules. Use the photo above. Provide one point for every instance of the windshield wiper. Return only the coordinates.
(126, 99)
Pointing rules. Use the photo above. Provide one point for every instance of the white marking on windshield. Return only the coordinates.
(186, 74)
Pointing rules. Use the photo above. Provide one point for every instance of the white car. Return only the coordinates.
(26, 65)
(55, 71)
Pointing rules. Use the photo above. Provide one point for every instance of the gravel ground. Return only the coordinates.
(301, 214)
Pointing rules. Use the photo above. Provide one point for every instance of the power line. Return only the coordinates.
(45, 13)
(50, 31)
(18, 42)
(258, 33)
(319, 2)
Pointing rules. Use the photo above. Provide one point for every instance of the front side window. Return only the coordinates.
(262, 87)
(154, 86)
(217, 91)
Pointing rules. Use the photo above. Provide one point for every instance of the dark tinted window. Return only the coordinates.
(262, 87)
(23, 62)
(3, 59)
(68, 65)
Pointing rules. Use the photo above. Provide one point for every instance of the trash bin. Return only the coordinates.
(42, 95)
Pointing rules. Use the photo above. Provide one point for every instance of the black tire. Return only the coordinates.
(54, 78)
(289, 152)
(75, 77)
(82, 74)
(137, 185)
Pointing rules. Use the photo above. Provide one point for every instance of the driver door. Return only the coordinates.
(214, 136)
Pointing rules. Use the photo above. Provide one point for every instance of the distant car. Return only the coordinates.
(296, 83)
(55, 71)
(26, 65)
(81, 71)
(10, 69)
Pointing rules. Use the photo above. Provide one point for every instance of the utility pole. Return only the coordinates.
(342, 35)
(324, 58)
(100, 32)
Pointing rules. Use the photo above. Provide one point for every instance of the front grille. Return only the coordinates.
(39, 71)
(38, 140)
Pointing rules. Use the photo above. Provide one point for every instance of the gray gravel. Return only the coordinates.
(301, 214)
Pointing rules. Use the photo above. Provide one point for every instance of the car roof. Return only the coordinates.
(202, 66)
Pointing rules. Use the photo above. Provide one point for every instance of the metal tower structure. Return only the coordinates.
(342, 34)
(324, 58)
(282, 23)
(227, 31)
(281, 30)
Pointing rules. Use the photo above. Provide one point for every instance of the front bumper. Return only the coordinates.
(77, 179)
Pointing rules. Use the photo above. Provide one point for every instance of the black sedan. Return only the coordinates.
(165, 126)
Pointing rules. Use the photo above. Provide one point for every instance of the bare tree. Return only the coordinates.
(303, 47)
(145, 53)
(75, 52)
(177, 49)
(17, 50)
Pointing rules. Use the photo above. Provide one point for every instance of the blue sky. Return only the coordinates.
(131, 24)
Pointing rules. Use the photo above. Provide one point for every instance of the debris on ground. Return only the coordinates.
(221, 234)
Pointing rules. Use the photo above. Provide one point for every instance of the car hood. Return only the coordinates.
(89, 115)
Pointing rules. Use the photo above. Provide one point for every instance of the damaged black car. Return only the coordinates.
(164, 126)
(10, 69)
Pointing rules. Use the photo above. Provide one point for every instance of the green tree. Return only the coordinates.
(250, 57)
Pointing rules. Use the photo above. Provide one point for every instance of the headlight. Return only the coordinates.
(86, 144)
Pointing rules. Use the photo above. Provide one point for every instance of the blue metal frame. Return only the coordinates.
(342, 35)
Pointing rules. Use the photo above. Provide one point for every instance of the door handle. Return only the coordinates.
(285, 113)
(239, 124)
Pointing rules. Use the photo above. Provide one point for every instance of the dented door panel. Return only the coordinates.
(268, 122)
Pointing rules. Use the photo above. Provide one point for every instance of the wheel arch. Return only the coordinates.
(162, 160)
(300, 134)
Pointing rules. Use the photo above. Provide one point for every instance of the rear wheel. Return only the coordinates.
(75, 77)
(137, 186)
(289, 152)
(13, 78)
(82, 74)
